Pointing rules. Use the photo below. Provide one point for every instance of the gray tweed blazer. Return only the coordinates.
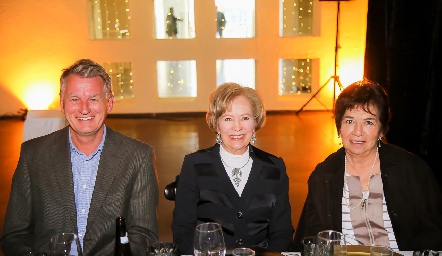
(42, 201)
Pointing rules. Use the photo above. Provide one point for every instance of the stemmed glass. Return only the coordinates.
(309, 246)
(65, 244)
(209, 240)
(330, 242)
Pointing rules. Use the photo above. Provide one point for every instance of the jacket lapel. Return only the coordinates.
(254, 174)
(337, 184)
(332, 191)
(107, 169)
(222, 173)
(63, 172)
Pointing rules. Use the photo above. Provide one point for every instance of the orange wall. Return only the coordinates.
(39, 38)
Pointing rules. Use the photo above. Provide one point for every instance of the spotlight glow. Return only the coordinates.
(39, 95)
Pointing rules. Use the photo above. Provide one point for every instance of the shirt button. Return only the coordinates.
(239, 215)
(239, 242)
(84, 186)
(83, 211)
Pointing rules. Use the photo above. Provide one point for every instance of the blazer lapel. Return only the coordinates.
(107, 169)
(254, 174)
(221, 171)
(260, 159)
(336, 184)
(63, 173)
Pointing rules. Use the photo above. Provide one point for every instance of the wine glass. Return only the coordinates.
(330, 242)
(209, 240)
(65, 244)
(163, 249)
(380, 250)
(309, 246)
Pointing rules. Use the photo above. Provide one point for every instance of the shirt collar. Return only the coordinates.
(74, 149)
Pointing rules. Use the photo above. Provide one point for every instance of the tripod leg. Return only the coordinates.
(340, 84)
(323, 105)
(314, 95)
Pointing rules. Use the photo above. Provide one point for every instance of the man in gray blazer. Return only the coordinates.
(80, 178)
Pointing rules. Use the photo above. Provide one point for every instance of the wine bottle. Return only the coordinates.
(122, 247)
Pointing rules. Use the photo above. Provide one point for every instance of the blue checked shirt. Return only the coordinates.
(84, 173)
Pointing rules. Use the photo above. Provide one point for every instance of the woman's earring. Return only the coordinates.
(218, 139)
(253, 140)
(379, 142)
(340, 140)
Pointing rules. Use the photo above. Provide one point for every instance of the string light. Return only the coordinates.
(297, 18)
(296, 76)
(122, 80)
(178, 80)
(111, 18)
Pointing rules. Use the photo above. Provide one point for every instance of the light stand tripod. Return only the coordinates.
(335, 77)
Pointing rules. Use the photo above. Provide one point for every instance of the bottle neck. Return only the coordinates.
(121, 227)
(122, 247)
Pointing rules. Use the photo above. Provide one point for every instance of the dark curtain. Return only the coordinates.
(404, 54)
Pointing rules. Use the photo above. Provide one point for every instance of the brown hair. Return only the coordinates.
(363, 94)
(86, 68)
(221, 99)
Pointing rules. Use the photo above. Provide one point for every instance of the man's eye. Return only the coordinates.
(348, 121)
(369, 122)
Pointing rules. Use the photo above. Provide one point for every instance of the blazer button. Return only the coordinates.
(239, 215)
(239, 242)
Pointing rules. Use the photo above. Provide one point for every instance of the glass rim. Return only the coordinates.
(339, 237)
(65, 233)
(217, 225)
(242, 250)
(68, 237)
(381, 246)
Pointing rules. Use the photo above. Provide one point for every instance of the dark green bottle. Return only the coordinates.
(122, 247)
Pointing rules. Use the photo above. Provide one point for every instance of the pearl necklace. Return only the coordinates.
(236, 172)
(346, 190)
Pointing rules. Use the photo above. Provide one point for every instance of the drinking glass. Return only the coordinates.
(243, 252)
(309, 246)
(65, 244)
(380, 250)
(163, 249)
(426, 253)
(330, 242)
(209, 240)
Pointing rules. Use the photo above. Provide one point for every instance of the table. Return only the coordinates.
(42, 122)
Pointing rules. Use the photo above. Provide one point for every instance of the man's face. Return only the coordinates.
(84, 104)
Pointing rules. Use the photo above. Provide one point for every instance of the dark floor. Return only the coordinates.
(301, 140)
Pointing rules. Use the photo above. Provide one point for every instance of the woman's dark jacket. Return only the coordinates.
(260, 217)
(411, 192)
